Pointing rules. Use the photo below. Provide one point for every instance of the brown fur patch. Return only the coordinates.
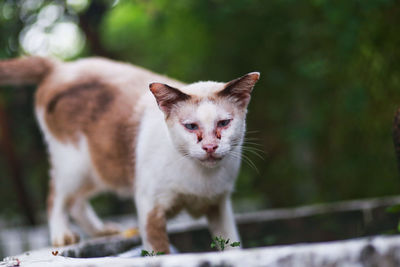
(213, 211)
(76, 106)
(98, 111)
(194, 205)
(156, 230)
(100, 98)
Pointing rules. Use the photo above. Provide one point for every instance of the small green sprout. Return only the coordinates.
(235, 244)
(220, 243)
(145, 253)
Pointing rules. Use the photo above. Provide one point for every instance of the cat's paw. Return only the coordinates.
(108, 229)
(64, 239)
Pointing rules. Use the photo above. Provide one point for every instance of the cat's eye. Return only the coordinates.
(191, 126)
(223, 123)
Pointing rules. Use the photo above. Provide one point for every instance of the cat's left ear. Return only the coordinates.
(167, 96)
(239, 89)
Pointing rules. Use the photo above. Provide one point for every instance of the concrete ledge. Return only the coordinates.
(381, 251)
(314, 223)
(99, 247)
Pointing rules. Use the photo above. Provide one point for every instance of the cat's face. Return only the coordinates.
(206, 120)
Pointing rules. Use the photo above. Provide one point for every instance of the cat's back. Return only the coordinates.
(123, 78)
(96, 100)
(78, 97)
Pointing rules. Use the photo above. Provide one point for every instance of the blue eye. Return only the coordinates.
(191, 126)
(223, 123)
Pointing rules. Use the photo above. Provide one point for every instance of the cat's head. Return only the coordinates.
(206, 120)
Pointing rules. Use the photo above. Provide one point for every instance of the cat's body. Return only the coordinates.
(106, 131)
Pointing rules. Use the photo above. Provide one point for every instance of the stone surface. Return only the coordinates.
(382, 251)
(316, 223)
(100, 247)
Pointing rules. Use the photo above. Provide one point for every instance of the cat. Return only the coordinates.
(174, 147)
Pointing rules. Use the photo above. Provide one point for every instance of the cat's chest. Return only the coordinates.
(196, 183)
(194, 205)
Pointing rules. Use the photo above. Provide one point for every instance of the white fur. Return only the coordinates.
(71, 167)
(202, 89)
(206, 115)
(163, 172)
(157, 157)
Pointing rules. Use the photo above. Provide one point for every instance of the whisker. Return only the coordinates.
(252, 150)
(253, 147)
(252, 132)
(251, 138)
(250, 162)
(251, 143)
(244, 146)
(255, 153)
(245, 159)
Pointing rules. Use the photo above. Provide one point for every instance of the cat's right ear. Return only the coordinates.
(167, 96)
(239, 89)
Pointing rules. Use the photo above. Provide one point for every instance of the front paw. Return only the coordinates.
(64, 238)
(108, 229)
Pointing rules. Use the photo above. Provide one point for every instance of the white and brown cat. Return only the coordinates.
(176, 146)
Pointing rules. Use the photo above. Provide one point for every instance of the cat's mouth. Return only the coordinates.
(210, 159)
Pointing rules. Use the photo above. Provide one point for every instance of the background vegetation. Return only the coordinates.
(322, 111)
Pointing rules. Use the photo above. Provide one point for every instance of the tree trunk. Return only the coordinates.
(14, 166)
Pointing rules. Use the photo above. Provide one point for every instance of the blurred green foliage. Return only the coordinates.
(322, 111)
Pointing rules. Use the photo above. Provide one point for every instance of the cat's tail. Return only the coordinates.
(396, 136)
(24, 70)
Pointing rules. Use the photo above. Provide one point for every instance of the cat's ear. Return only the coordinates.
(167, 96)
(239, 89)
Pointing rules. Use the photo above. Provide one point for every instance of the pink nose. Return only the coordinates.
(209, 148)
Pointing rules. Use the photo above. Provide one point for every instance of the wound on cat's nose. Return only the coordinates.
(199, 137)
(218, 134)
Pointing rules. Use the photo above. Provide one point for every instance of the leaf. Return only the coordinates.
(144, 253)
(160, 253)
(235, 244)
(213, 244)
(398, 226)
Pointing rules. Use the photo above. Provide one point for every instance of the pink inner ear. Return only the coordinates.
(240, 89)
(167, 96)
(156, 87)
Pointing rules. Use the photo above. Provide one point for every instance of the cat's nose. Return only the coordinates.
(209, 148)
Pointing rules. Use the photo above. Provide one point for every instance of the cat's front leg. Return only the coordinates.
(152, 225)
(221, 221)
